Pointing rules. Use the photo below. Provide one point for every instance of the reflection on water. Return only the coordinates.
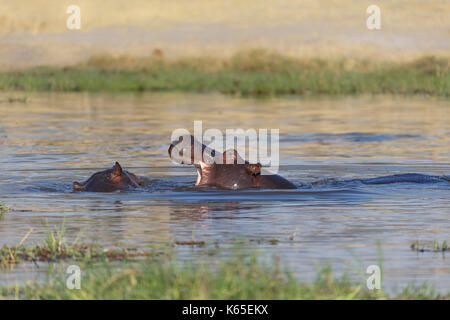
(325, 145)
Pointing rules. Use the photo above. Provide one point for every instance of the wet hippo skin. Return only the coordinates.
(233, 173)
(109, 180)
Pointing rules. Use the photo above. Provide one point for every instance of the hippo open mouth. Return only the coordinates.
(204, 172)
(223, 170)
(187, 150)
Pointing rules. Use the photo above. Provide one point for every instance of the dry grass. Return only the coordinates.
(325, 29)
(263, 60)
(49, 16)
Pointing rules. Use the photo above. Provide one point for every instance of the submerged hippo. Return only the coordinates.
(109, 180)
(232, 173)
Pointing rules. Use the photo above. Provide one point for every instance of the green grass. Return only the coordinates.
(238, 277)
(256, 72)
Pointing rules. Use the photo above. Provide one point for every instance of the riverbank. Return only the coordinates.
(157, 273)
(254, 73)
(239, 276)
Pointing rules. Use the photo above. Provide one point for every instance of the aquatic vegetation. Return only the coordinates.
(433, 246)
(254, 72)
(3, 209)
(235, 242)
(79, 252)
(56, 248)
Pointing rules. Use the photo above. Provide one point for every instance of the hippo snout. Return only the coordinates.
(170, 150)
(186, 150)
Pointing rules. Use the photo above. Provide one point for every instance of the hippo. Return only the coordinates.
(233, 173)
(109, 180)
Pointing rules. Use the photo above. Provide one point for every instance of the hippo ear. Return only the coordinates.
(254, 169)
(77, 186)
(117, 169)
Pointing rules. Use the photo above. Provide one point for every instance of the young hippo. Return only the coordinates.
(233, 173)
(108, 181)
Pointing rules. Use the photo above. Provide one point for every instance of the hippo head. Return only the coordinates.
(108, 181)
(225, 171)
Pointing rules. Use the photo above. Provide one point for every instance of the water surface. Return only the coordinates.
(55, 139)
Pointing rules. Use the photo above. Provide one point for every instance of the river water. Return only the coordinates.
(55, 139)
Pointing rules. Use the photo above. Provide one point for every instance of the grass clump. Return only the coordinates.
(10, 256)
(253, 72)
(56, 248)
(434, 246)
(3, 209)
